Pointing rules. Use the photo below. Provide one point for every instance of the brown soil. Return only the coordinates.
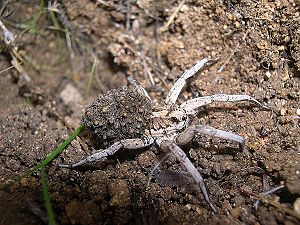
(258, 45)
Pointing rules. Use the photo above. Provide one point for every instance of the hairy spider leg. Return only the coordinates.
(190, 105)
(166, 155)
(182, 80)
(213, 132)
(189, 133)
(140, 89)
(126, 144)
(184, 160)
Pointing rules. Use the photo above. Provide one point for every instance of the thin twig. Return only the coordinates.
(266, 193)
(5, 10)
(146, 69)
(172, 17)
(3, 71)
(58, 16)
(17, 61)
(143, 60)
(269, 201)
(232, 54)
(9, 40)
(91, 76)
(128, 15)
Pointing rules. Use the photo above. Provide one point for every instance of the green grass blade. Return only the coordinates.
(32, 25)
(92, 74)
(58, 150)
(54, 20)
(48, 205)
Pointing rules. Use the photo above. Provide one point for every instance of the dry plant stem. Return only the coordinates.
(9, 68)
(17, 60)
(9, 40)
(142, 59)
(147, 70)
(269, 201)
(266, 193)
(45, 162)
(128, 15)
(57, 13)
(232, 54)
(172, 17)
(3, 12)
(30, 61)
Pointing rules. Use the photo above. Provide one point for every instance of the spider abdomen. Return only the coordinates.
(119, 114)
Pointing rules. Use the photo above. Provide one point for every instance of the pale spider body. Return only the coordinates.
(126, 118)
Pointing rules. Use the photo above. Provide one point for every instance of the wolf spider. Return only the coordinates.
(126, 118)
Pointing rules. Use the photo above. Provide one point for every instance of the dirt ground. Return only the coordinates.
(258, 45)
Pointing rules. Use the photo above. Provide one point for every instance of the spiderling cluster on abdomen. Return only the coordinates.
(119, 114)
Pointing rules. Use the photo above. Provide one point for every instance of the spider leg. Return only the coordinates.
(184, 160)
(166, 155)
(188, 134)
(213, 132)
(190, 105)
(138, 87)
(179, 84)
(127, 144)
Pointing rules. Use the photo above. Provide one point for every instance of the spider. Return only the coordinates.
(126, 118)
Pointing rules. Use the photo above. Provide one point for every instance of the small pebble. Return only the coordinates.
(282, 111)
(268, 74)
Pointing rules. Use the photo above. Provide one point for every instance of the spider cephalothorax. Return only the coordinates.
(125, 118)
